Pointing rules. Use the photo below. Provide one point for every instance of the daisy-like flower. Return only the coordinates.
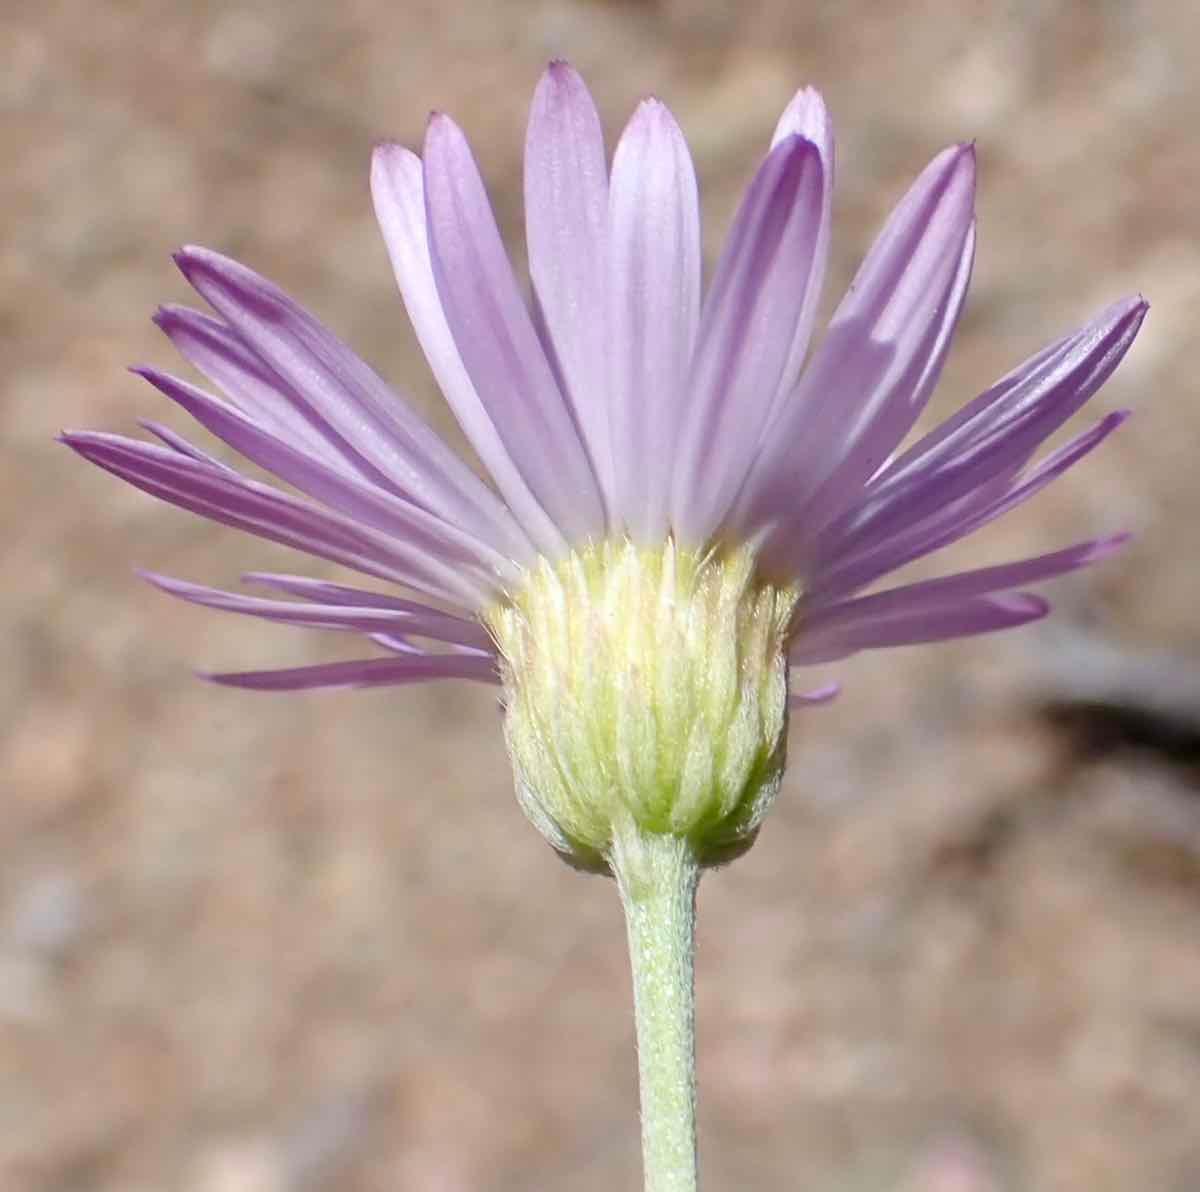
(685, 502)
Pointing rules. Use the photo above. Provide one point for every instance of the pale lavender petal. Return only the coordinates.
(397, 643)
(323, 591)
(806, 116)
(566, 229)
(398, 192)
(895, 412)
(847, 570)
(1045, 390)
(351, 399)
(816, 697)
(878, 363)
(1035, 479)
(1001, 427)
(964, 584)
(918, 622)
(420, 621)
(259, 509)
(654, 310)
(496, 337)
(796, 543)
(746, 334)
(338, 489)
(327, 592)
(400, 644)
(365, 672)
(878, 555)
(216, 350)
(179, 444)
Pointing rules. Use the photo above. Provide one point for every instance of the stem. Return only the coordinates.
(657, 878)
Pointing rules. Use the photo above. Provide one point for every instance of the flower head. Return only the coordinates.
(684, 501)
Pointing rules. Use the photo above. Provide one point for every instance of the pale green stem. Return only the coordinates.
(657, 878)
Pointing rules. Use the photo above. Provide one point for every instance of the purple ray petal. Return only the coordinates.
(747, 333)
(180, 445)
(496, 337)
(921, 621)
(364, 672)
(1001, 427)
(878, 434)
(964, 584)
(878, 363)
(816, 697)
(1047, 389)
(839, 570)
(399, 644)
(339, 490)
(259, 509)
(566, 229)
(420, 621)
(878, 556)
(326, 592)
(653, 312)
(1035, 479)
(217, 351)
(350, 399)
(323, 591)
(807, 116)
(398, 192)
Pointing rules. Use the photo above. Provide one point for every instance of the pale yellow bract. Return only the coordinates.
(645, 689)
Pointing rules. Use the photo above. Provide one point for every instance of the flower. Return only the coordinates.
(682, 506)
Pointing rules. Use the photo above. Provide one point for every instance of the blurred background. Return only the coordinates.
(304, 943)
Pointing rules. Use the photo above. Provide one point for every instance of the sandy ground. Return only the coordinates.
(257, 944)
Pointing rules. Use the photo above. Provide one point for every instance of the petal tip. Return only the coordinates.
(560, 83)
(386, 147)
(78, 440)
(652, 118)
(193, 260)
(1102, 548)
(1026, 604)
(442, 135)
(817, 697)
(388, 157)
(164, 583)
(242, 680)
(1128, 311)
(806, 113)
(958, 159)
